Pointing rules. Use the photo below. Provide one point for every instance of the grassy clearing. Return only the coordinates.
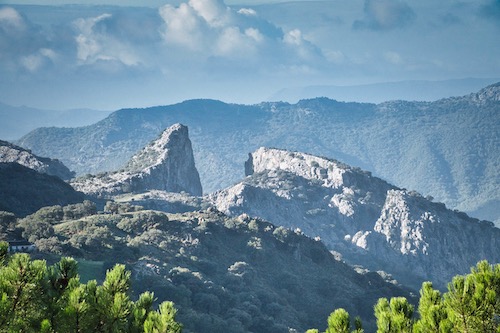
(90, 270)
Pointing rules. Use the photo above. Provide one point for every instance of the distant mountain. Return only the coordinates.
(449, 148)
(387, 91)
(18, 121)
(165, 164)
(225, 274)
(15, 154)
(367, 220)
(23, 190)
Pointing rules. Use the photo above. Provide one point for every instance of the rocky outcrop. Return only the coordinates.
(365, 219)
(490, 94)
(167, 164)
(10, 153)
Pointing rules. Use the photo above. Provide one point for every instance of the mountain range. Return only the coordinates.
(417, 90)
(252, 257)
(412, 144)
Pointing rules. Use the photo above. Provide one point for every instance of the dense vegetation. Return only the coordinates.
(35, 297)
(224, 274)
(472, 304)
(23, 191)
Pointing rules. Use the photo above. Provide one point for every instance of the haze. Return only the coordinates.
(105, 56)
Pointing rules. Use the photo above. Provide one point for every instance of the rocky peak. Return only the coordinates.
(489, 94)
(171, 141)
(10, 153)
(166, 163)
(330, 173)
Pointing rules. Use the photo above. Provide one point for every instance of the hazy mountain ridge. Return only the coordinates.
(367, 220)
(18, 121)
(417, 90)
(412, 144)
(166, 163)
(10, 153)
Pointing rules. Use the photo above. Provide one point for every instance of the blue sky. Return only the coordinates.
(106, 57)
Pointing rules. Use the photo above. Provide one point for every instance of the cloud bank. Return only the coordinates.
(109, 57)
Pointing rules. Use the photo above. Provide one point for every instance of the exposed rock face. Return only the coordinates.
(165, 164)
(10, 153)
(367, 220)
(490, 94)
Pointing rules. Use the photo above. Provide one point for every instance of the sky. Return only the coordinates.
(144, 53)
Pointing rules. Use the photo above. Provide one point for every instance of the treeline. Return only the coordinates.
(471, 305)
(35, 297)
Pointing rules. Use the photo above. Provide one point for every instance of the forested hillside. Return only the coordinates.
(224, 274)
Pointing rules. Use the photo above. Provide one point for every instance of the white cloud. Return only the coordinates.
(10, 18)
(34, 62)
(95, 45)
(212, 29)
(247, 12)
(255, 34)
(293, 37)
(214, 12)
(183, 26)
(304, 49)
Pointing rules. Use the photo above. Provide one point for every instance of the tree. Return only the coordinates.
(471, 305)
(358, 326)
(4, 251)
(473, 301)
(163, 321)
(433, 314)
(37, 298)
(339, 322)
(394, 316)
(21, 307)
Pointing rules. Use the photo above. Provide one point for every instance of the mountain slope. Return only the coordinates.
(23, 191)
(449, 149)
(367, 220)
(10, 153)
(224, 274)
(166, 163)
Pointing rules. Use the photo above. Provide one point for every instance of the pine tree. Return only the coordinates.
(21, 307)
(163, 321)
(433, 314)
(37, 298)
(473, 301)
(339, 322)
(394, 316)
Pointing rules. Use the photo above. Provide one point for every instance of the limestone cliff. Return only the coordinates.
(10, 153)
(167, 164)
(365, 219)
